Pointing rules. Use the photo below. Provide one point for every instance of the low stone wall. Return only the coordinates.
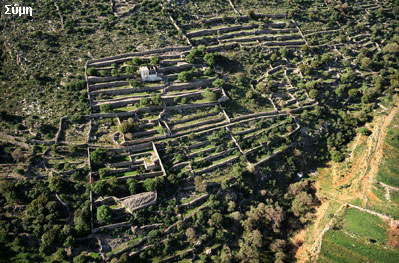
(215, 156)
(223, 47)
(165, 63)
(245, 132)
(92, 79)
(128, 90)
(199, 124)
(257, 32)
(140, 176)
(195, 201)
(144, 133)
(124, 114)
(169, 100)
(107, 85)
(210, 128)
(154, 147)
(198, 145)
(179, 166)
(179, 68)
(265, 38)
(207, 32)
(143, 140)
(195, 84)
(119, 164)
(60, 129)
(192, 106)
(71, 171)
(216, 166)
(102, 62)
(194, 118)
(113, 226)
(253, 115)
(231, 20)
(171, 228)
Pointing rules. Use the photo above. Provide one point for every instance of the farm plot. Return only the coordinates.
(105, 131)
(244, 30)
(136, 164)
(137, 130)
(194, 120)
(259, 138)
(212, 150)
(363, 237)
(76, 132)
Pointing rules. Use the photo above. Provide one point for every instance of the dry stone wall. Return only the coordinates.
(103, 62)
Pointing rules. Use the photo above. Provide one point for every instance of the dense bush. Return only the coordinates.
(185, 76)
(209, 95)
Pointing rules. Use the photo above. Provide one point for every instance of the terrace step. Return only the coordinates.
(194, 118)
(199, 124)
(216, 166)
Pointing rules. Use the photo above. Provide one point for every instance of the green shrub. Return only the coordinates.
(364, 131)
(337, 156)
(104, 108)
(127, 126)
(134, 83)
(185, 76)
(131, 69)
(76, 85)
(91, 72)
(211, 59)
(104, 214)
(154, 60)
(208, 72)
(209, 95)
(136, 61)
(98, 155)
(218, 83)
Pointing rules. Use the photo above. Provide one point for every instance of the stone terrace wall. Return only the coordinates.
(128, 90)
(230, 20)
(124, 114)
(214, 167)
(223, 47)
(207, 32)
(195, 84)
(92, 79)
(103, 62)
(115, 84)
(192, 106)
(178, 68)
(267, 38)
(258, 32)
(133, 149)
(198, 124)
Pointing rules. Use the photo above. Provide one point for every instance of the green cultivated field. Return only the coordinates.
(362, 238)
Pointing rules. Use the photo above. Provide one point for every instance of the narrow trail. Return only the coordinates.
(70, 217)
(376, 157)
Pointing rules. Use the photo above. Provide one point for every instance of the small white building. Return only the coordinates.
(149, 73)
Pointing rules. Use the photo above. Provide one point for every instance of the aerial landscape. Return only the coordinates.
(199, 131)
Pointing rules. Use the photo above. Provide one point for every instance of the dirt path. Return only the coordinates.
(358, 171)
(376, 157)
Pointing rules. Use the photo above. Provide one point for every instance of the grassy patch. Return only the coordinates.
(340, 247)
(365, 224)
(395, 197)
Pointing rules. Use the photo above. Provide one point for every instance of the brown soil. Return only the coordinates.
(358, 172)
(394, 236)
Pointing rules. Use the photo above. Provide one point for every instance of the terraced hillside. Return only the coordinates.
(209, 162)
